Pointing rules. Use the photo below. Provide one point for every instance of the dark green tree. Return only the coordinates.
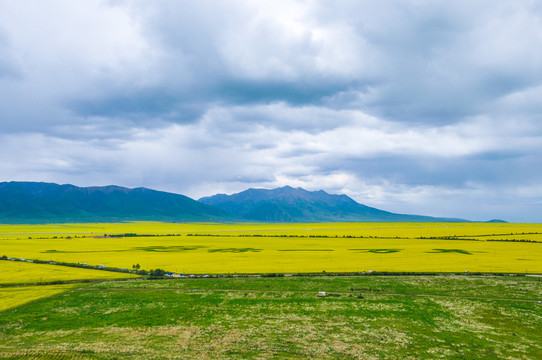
(157, 273)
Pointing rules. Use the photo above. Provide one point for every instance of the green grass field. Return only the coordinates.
(366, 317)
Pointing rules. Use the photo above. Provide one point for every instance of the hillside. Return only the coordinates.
(33, 202)
(289, 204)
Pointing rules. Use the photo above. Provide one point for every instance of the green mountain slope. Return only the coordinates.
(287, 204)
(31, 202)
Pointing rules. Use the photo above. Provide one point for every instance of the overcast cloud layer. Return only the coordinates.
(423, 107)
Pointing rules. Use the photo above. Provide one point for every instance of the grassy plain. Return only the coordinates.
(366, 317)
(285, 248)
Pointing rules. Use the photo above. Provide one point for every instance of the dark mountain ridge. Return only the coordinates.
(33, 202)
(289, 204)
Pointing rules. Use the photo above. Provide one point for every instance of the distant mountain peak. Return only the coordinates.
(288, 204)
(28, 202)
(35, 202)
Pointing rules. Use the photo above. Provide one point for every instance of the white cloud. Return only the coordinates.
(407, 105)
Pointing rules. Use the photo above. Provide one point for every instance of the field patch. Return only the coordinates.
(20, 272)
(173, 248)
(16, 296)
(377, 251)
(234, 250)
(284, 248)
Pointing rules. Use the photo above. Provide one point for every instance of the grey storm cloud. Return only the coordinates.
(432, 62)
(404, 61)
(421, 106)
(9, 69)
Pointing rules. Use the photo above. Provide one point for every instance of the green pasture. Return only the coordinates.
(365, 317)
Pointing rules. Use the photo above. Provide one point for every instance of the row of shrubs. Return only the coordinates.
(151, 273)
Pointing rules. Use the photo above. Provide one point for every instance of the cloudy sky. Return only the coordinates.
(424, 107)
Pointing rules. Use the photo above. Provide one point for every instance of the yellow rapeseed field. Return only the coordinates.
(15, 296)
(18, 272)
(285, 248)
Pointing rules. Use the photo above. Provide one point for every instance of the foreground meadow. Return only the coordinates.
(364, 317)
(284, 248)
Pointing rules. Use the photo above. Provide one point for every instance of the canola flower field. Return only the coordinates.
(19, 272)
(283, 248)
(15, 296)
(391, 317)
(16, 277)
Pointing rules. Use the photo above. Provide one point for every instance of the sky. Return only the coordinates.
(411, 106)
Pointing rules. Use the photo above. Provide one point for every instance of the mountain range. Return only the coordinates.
(287, 204)
(35, 202)
(32, 202)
